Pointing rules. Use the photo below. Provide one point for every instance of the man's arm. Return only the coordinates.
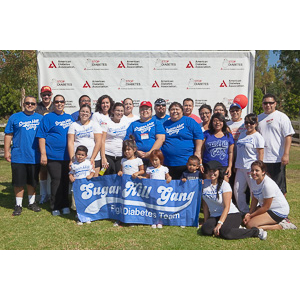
(7, 143)
(287, 146)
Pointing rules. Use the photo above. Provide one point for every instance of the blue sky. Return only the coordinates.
(272, 58)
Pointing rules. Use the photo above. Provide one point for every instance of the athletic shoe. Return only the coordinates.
(66, 211)
(79, 223)
(88, 222)
(34, 207)
(55, 213)
(17, 211)
(286, 224)
(159, 226)
(262, 234)
(182, 226)
(153, 226)
(116, 224)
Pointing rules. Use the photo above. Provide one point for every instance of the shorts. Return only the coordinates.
(274, 216)
(97, 163)
(278, 174)
(23, 174)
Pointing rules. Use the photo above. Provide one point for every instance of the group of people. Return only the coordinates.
(227, 154)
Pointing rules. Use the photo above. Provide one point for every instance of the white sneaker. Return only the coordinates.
(182, 226)
(153, 226)
(66, 211)
(116, 224)
(286, 224)
(159, 226)
(55, 213)
(262, 234)
(88, 222)
(79, 223)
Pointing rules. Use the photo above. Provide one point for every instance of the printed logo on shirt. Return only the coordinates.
(127, 167)
(85, 133)
(219, 148)
(30, 124)
(268, 122)
(64, 124)
(175, 130)
(145, 128)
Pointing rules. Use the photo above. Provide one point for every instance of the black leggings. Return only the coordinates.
(59, 173)
(230, 229)
(114, 164)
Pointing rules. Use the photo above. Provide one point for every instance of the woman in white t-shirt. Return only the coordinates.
(88, 133)
(128, 115)
(103, 110)
(113, 135)
(268, 207)
(250, 147)
(221, 217)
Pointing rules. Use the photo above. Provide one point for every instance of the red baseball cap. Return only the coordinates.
(146, 103)
(46, 89)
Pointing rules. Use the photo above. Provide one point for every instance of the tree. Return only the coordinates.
(263, 76)
(257, 101)
(10, 100)
(18, 70)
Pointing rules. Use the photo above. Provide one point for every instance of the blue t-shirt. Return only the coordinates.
(145, 133)
(54, 128)
(217, 148)
(25, 147)
(165, 118)
(180, 140)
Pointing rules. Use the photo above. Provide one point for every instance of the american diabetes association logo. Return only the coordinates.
(88, 84)
(164, 83)
(63, 64)
(198, 64)
(132, 64)
(232, 83)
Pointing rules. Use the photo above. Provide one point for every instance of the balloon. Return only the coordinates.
(242, 100)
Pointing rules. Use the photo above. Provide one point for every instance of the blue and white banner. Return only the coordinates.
(139, 201)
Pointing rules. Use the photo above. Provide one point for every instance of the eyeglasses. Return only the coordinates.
(249, 123)
(204, 113)
(270, 103)
(30, 103)
(45, 95)
(59, 101)
(164, 105)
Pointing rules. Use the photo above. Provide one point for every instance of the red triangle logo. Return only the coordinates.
(52, 65)
(223, 84)
(189, 65)
(121, 65)
(86, 85)
(155, 84)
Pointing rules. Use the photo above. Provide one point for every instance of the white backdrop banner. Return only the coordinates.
(205, 76)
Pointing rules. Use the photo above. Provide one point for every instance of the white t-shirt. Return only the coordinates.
(131, 166)
(215, 205)
(81, 170)
(84, 135)
(269, 189)
(236, 128)
(115, 134)
(246, 147)
(157, 173)
(130, 120)
(274, 128)
(101, 119)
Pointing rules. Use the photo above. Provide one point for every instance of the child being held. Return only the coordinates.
(131, 164)
(157, 171)
(80, 168)
(192, 172)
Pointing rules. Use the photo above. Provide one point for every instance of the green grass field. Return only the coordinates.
(43, 231)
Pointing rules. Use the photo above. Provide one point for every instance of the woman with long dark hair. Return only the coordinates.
(221, 217)
(103, 109)
(218, 143)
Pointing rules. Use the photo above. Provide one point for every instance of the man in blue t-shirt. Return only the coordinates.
(84, 99)
(25, 156)
(160, 107)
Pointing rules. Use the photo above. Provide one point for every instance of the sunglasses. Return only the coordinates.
(59, 101)
(44, 95)
(270, 103)
(249, 123)
(30, 103)
(160, 105)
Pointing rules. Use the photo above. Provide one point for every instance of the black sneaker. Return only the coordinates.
(34, 207)
(17, 211)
